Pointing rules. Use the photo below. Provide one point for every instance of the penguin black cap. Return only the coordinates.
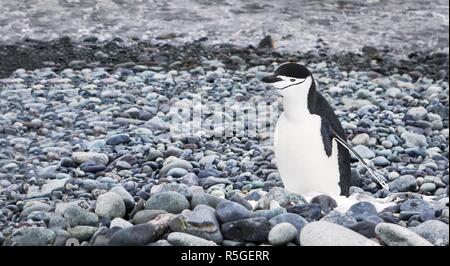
(289, 70)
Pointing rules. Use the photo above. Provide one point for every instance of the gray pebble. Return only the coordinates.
(183, 239)
(75, 215)
(110, 205)
(33, 236)
(282, 233)
(170, 201)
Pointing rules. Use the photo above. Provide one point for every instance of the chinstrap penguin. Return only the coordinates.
(309, 142)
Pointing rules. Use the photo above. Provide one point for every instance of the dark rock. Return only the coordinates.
(252, 230)
(389, 217)
(311, 212)
(201, 222)
(269, 214)
(371, 51)
(92, 167)
(326, 203)
(118, 139)
(137, 235)
(228, 211)
(418, 207)
(362, 210)
(103, 235)
(190, 179)
(296, 220)
(340, 219)
(365, 228)
(266, 42)
(404, 183)
(208, 172)
(242, 201)
(145, 216)
(67, 162)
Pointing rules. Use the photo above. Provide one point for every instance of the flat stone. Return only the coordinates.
(82, 157)
(323, 233)
(396, 235)
(361, 139)
(33, 236)
(365, 152)
(145, 216)
(183, 239)
(201, 222)
(434, 231)
(92, 167)
(33, 206)
(82, 232)
(137, 235)
(48, 188)
(269, 214)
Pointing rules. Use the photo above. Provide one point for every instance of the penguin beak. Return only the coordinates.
(271, 79)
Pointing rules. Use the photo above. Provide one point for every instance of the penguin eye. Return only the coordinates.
(292, 80)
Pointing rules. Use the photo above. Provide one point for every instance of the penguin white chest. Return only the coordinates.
(301, 158)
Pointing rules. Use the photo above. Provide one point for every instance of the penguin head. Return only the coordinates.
(290, 77)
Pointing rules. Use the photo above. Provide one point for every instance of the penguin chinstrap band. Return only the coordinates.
(308, 155)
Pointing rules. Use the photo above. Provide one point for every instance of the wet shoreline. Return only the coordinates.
(405, 26)
(90, 53)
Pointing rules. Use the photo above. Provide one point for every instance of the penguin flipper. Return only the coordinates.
(327, 136)
(376, 174)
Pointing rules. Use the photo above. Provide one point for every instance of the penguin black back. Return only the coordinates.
(318, 105)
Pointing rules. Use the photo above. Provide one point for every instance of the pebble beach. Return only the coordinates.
(89, 154)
